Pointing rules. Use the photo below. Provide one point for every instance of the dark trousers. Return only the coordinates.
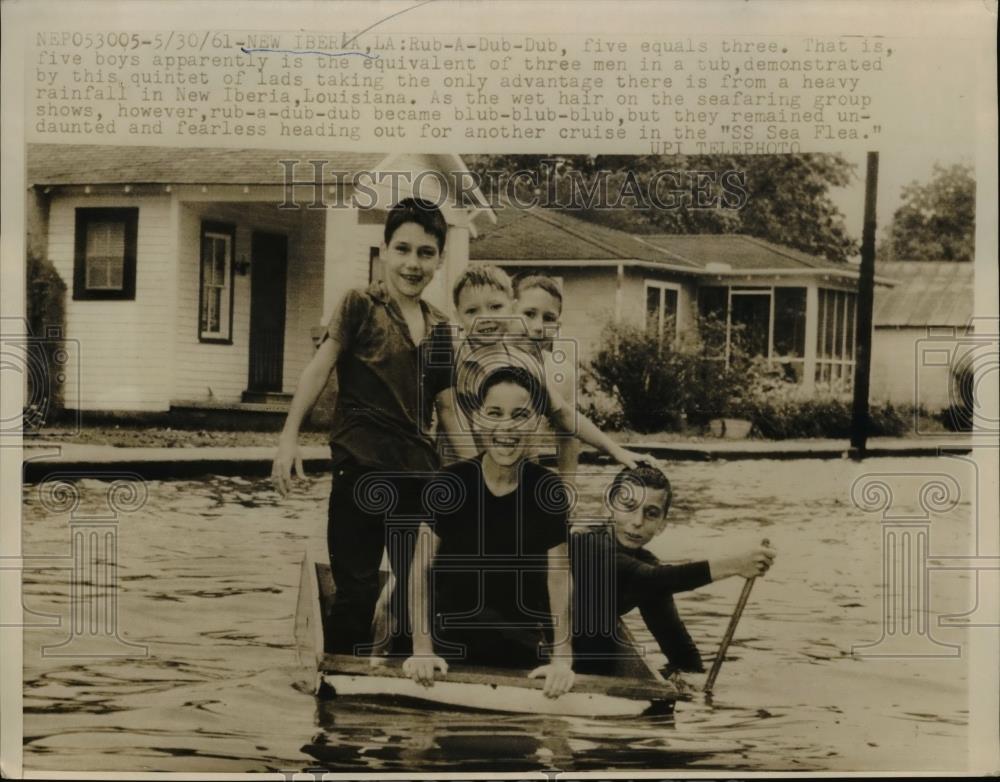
(369, 512)
(495, 645)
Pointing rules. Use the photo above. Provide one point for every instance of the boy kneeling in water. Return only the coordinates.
(490, 581)
(638, 501)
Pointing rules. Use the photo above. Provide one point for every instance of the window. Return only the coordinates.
(104, 254)
(789, 345)
(215, 304)
(750, 319)
(661, 309)
(770, 322)
(835, 339)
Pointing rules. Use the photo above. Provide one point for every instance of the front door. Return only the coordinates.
(268, 265)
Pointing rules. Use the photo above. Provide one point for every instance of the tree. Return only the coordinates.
(937, 219)
(787, 199)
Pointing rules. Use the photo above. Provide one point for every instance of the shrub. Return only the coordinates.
(45, 310)
(603, 410)
(959, 416)
(782, 410)
(658, 385)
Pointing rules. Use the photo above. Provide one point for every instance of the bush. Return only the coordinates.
(959, 416)
(46, 315)
(603, 410)
(659, 385)
(782, 410)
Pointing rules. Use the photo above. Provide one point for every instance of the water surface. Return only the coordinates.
(207, 581)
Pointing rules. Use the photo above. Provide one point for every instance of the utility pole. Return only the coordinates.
(866, 297)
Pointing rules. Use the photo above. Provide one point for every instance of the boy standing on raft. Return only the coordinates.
(378, 340)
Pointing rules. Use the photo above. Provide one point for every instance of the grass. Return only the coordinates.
(125, 436)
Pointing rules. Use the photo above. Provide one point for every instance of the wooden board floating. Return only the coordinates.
(642, 690)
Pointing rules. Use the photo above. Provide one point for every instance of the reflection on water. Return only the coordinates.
(207, 576)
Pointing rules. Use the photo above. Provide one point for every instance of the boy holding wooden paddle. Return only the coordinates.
(639, 500)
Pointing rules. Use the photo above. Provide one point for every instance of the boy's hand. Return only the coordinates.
(750, 564)
(285, 460)
(755, 562)
(421, 668)
(631, 459)
(558, 677)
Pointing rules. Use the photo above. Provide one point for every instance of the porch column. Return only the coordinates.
(456, 259)
(340, 238)
(812, 328)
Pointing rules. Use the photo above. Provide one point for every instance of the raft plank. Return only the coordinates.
(588, 684)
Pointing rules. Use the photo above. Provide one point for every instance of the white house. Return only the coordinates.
(192, 281)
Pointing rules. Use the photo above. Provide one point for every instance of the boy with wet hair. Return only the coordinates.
(490, 582)
(538, 300)
(638, 501)
(494, 336)
(377, 339)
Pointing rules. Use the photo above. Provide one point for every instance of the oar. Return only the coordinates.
(730, 631)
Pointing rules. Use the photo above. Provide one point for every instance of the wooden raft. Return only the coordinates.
(638, 688)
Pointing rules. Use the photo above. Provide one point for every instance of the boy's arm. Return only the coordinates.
(641, 578)
(421, 665)
(460, 439)
(311, 384)
(567, 419)
(568, 447)
(559, 672)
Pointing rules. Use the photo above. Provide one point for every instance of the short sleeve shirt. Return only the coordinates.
(386, 384)
(493, 551)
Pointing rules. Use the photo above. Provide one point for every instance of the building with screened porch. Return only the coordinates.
(796, 309)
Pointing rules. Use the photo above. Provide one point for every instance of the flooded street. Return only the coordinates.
(207, 578)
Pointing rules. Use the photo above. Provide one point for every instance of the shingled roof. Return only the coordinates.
(539, 234)
(927, 293)
(548, 235)
(99, 164)
(738, 251)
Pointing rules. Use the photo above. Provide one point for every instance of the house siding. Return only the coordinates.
(219, 371)
(122, 348)
(895, 375)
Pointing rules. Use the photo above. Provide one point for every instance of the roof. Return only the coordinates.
(96, 164)
(927, 293)
(548, 235)
(538, 234)
(738, 251)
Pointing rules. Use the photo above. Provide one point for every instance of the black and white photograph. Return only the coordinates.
(436, 397)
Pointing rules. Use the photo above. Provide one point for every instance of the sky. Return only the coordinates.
(929, 116)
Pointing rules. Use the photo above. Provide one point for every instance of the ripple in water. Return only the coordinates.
(207, 579)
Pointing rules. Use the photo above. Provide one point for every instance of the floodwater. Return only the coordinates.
(207, 575)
